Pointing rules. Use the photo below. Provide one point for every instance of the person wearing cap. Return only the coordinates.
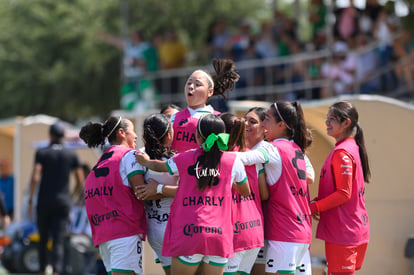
(51, 171)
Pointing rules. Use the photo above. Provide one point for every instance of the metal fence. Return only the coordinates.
(292, 77)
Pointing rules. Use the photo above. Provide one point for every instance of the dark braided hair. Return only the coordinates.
(94, 134)
(156, 129)
(225, 76)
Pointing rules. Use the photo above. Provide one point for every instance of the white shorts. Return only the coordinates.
(208, 259)
(261, 256)
(155, 236)
(242, 261)
(122, 255)
(284, 257)
(306, 267)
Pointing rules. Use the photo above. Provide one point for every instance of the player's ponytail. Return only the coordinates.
(209, 128)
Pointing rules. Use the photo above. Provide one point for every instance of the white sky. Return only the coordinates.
(400, 8)
(358, 3)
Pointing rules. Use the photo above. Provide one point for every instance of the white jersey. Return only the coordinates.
(158, 210)
(128, 166)
(260, 144)
(269, 156)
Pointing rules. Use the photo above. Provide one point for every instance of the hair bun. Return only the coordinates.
(226, 77)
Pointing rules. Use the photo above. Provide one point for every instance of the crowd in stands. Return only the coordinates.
(365, 44)
(364, 50)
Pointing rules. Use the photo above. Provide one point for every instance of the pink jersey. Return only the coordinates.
(348, 223)
(200, 221)
(113, 211)
(247, 215)
(287, 213)
(185, 129)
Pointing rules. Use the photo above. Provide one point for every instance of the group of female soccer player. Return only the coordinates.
(218, 194)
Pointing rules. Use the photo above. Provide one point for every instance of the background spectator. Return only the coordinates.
(385, 27)
(403, 48)
(172, 51)
(134, 63)
(335, 71)
(317, 17)
(7, 186)
(218, 38)
(367, 62)
(347, 21)
(240, 40)
(51, 170)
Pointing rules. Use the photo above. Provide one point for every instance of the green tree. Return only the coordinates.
(53, 63)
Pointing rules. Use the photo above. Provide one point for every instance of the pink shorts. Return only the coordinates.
(342, 258)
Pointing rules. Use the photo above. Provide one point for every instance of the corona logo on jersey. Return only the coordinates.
(240, 226)
(190, 229)
(97, 219)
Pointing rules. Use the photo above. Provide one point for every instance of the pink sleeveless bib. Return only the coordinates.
(200, 221)
(113, 211)
(348, 223)
(287, 212)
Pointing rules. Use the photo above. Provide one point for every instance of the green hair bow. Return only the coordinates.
(221, 140)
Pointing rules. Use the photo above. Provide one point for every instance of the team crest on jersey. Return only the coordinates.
(102, 171)
(183, 121)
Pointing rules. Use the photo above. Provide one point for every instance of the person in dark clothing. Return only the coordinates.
(7, 186)
(4, 216)
(52, 168)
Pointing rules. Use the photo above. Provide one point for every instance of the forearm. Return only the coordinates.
(34, 180)
(342, 172)
(80, 180)
(154, 197)
(156, 165)
(136, 181)
(263, 187)
(242, 188)
(3, 210)
(253, 157)
(169, 191)
(31, 191)
(154, 190)
(333, 200)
